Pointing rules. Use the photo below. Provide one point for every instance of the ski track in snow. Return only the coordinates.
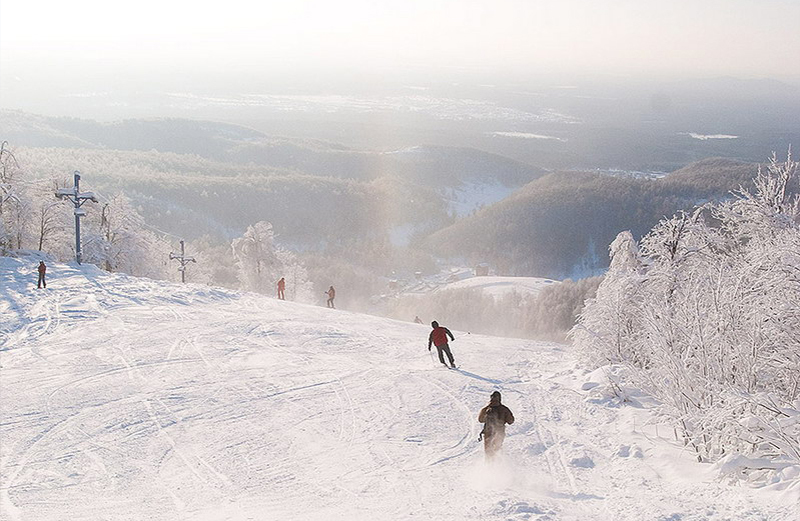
(132, 399)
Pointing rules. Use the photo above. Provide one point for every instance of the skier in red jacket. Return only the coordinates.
(42, 269)
(282, 289)
(438, 337)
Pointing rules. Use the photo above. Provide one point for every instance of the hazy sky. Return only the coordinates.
(61, 40)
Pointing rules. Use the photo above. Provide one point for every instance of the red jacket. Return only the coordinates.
(439, 336)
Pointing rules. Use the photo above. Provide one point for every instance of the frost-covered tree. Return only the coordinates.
(12, 203)
(260, 262)
(116, 238)
(607, 323)
(257, 259)
(712, 326)
(49, 218)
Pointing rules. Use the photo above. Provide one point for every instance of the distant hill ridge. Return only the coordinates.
(185, 175)
(427, 164)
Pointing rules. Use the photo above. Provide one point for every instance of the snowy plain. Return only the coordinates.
(131, 399)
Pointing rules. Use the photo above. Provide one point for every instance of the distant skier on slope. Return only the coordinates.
(494, 418)
(282, 289)
(331, 295)
(417, 320)
(42, 269)
(438, 337)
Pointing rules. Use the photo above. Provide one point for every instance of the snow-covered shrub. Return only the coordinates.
(707, 316)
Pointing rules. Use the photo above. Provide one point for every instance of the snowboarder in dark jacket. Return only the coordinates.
(494, 418)
(42, 270)
(438, 337)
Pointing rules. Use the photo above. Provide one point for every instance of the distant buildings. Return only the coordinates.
(482, 270)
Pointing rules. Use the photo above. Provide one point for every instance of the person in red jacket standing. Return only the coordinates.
(282, 289)
(42, 270)
(438, 337)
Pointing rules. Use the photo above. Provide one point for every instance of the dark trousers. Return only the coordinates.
(444, 348)
(330, 303)
(41, 281)
(492, 443)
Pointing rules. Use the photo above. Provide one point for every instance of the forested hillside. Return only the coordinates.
(199, 177)
(560, 225)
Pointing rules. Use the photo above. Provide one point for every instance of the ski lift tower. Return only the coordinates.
(77, 198)
(184, 260)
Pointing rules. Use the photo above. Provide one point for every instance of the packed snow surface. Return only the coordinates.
(501, 286)
(131, 399)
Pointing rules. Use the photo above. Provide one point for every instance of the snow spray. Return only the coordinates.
(502, 474)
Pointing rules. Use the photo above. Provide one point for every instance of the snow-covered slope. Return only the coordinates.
(131, 399)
